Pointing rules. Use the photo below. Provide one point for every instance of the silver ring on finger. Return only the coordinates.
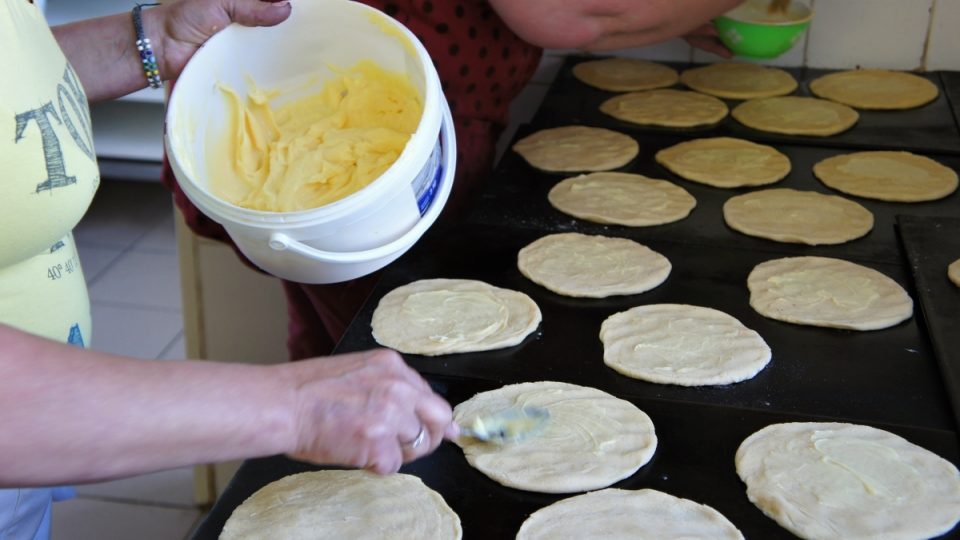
(418, 440)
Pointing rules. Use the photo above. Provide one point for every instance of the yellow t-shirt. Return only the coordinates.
(48, 175)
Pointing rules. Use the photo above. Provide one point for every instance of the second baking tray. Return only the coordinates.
(516, 195)
(931, 127)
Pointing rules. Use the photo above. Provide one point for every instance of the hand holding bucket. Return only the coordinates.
(361, 232)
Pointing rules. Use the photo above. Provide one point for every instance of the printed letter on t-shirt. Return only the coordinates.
(52, 153)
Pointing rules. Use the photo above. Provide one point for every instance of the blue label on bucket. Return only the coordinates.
(427, 183)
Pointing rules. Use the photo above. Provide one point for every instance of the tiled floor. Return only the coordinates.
(129, 258)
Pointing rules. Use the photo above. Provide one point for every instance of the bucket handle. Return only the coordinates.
(281, 242)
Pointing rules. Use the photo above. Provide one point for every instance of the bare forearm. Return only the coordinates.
(606, 24)
(104, 54)
(70, 415)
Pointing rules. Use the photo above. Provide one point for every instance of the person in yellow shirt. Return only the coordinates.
(70, 414)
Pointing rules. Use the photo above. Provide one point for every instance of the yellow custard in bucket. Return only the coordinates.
(316, 149)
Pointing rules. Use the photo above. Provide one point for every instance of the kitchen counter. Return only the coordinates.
(893, 379)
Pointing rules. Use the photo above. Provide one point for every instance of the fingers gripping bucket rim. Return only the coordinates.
(362, 232)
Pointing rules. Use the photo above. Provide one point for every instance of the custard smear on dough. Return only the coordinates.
(314, 150)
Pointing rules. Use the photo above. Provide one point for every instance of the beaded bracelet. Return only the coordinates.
(147, 58)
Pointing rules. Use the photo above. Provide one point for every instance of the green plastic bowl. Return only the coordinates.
(748, 31)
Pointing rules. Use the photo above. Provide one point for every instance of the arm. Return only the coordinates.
(104, 54)
(599, 25)
(74, 415)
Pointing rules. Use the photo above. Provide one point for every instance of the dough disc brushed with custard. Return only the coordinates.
(343, 504)
(795, 115)
(577, 148)
(875, 89)
(666, 107)
(591, 440)
(682, 344)
(625, 74)
(822, 291)
(725, 162)
(887, 176)
(733, 80)
(627, 514)
(444, 316)
(589, 266)
(831, 480)
(800, 217)
(622, 199)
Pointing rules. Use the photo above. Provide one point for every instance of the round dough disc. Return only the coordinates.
(625, 74)
(444, 316)
(822, 291)
(735, 80)
(591, 440)
(725, 162)
(837, 480)
(953, 272)
(621, 514)
(296, 507)
(666, 107)
(577, 148)
(875, 89)
(800, 217)
(621, 199)
(580, 265)
(887, 176)
(682, 344)
(796, 115)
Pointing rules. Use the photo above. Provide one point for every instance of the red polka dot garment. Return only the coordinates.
(482, 64)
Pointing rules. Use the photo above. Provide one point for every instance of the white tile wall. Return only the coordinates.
(943, 48)
(890, 34)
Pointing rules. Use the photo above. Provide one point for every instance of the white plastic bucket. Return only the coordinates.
(362, 232)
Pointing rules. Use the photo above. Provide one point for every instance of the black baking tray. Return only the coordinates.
(951, 86)
(516, 195)
(826, 372)
(931, 127)
(694, 460)
(931, 244)
(887, 378)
